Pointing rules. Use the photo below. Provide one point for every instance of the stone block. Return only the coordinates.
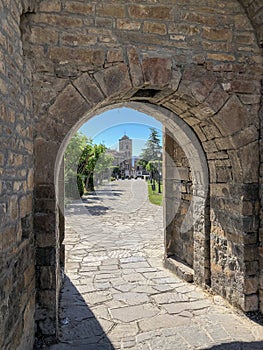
(68, 39)
(46, 256)
(252, 268)
(201, 83)
(216, 34)
(153, 12)
(45, 239)
(47, 277)
(251, 285)
(89, 89)
(261, 301)
(104, 22)
(115, 55)
(243, 86)
(47, 6)
(114, 80)
(79, 7)
(45, 191)
(183, 173)
(57, 20)
(216, 100)
(250, 237)
(27, 339)
(44, 170)
(250, 252)
(249, 156)
(221, 57)
(175, 80)
(8, 237)
(238, 120)
(81, 56)
(45, 206)
(30, 179)
(182, 28)
(155, 28)
(13, 207)
(44, 36)
(157, 71)
(110, 10)
(204, 19)
(251, 303)
(127, 24)
(69, 106)
(223, 174)
(135, 66)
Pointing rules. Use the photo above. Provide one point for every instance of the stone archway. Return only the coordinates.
(201, 102)
(201, 60)
(197, 216)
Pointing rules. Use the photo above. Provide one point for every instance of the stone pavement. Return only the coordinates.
(118, 295)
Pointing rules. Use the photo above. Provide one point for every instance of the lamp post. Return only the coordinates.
(159, 173)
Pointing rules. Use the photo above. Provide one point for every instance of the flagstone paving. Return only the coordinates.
(118, 295)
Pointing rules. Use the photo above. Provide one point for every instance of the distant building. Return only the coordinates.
(124, 159)
(125, 150)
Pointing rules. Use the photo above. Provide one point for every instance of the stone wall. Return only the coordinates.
(179, 191)
(17, 260)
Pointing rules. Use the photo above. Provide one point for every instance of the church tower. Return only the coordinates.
(125, 148)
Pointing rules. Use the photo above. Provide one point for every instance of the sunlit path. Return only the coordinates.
(117, 295)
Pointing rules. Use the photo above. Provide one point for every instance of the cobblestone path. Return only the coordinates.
(117, 295)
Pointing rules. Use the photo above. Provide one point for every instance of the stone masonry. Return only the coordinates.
(194, 65)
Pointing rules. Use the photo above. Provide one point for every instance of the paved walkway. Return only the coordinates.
(117, 295)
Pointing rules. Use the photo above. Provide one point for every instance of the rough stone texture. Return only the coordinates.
(200, 60)
(179, 192)
(17, 261)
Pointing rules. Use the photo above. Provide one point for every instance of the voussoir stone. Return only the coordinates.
(114, 79)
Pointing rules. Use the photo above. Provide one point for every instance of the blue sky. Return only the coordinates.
(110, 126)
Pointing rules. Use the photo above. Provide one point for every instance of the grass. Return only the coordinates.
(155, 197)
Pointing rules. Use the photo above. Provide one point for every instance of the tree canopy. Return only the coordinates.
(83, 160)
(151, 155)
(153, 149)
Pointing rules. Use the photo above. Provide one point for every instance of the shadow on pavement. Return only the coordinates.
(256, 317)
(97, 210)
(79, 208)
(257, 345)
(79, 328)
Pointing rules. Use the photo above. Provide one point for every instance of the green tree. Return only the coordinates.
(73, 180)
(153, 149)
(151, 157)
(94, 162)
(82, 160)
(73, 152)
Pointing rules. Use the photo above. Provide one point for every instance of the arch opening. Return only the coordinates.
(192, 223)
